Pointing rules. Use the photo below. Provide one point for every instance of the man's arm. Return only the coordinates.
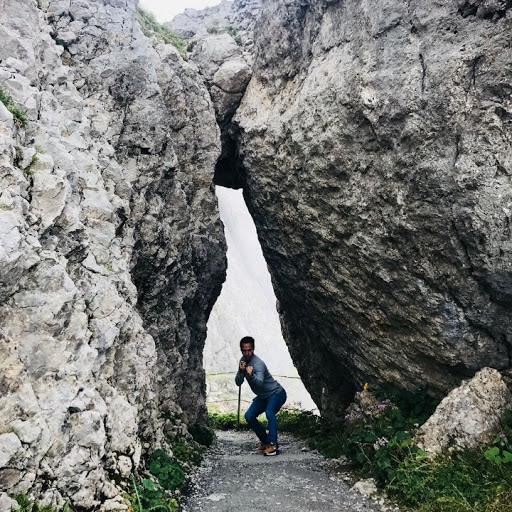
(256, 374)
(240, 374)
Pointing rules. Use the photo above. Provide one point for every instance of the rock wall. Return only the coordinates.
(374, 141)
(221, 44)
(195, 23)
(111, 248)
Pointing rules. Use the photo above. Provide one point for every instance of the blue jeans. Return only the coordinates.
(270, 406)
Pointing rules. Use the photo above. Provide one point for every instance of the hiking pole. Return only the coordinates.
(238, 414)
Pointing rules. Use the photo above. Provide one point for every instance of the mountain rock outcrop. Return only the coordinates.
(221, 40)
(194, 23)
(111, 248)
(374, 145)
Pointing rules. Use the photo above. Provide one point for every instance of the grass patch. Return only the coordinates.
(232, 31)
(28, 505)
(378, 443)
(20, 118)
(160, 34)
(167, 475)
(226, 421)
(148, 496)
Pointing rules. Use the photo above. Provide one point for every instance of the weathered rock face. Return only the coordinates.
(226, 70)
(469, 416)
(239, 16)
(111, 248)
(193, 23)
(222, 42)
(375, 144)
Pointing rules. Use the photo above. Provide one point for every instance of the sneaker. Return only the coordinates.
(261, 447)
(270, 450)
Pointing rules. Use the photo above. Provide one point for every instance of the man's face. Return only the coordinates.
(247, 351)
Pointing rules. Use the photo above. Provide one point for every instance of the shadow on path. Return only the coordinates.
(235, 478)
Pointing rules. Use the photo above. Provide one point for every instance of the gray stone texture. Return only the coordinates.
(374, 142)
(195, 23)
(468, 417)
(111, 248)
(222, 47)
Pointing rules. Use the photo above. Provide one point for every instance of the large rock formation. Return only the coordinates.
(374, 147)
(222, 47)
(112, 251)
(374, 143)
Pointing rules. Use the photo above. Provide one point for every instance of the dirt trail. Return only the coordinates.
(234, 478)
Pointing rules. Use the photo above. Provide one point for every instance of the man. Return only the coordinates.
(270, 396)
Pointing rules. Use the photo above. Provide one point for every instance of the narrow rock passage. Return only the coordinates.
(233, 477)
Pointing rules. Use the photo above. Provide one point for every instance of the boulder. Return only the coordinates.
(373, 146)
(468, 416)
(7, 504)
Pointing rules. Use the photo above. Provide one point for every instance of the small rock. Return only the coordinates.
(125, 466)
(366, 487)
(216, 497)
(116, 503)
(9, 445)
(468, 416)
(7, 503)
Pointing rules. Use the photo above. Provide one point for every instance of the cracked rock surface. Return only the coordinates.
(375, 147)
(111, 248)
(235, 477)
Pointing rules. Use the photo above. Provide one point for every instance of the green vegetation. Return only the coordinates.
(28, 505)
(232, 31)
(202, 434)
(187, 452)
(160, 34)
(168, 474)
(149, 496)
(227, 421)
(18, 159)
(20, 117)
(167, 470)
(29, 171)
(378, 443)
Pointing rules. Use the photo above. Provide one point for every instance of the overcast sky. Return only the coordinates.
(164, 10)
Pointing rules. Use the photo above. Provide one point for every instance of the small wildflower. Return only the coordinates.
(382, 441)
(365, 386)
(382, 406)
(502, 435)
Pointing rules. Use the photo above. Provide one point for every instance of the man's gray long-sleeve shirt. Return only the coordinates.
(261, 382)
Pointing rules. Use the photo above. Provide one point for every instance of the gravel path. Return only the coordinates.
(235, 478)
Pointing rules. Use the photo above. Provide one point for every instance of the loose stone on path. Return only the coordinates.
(235, 477)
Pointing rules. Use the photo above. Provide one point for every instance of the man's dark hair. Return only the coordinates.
(247, 339)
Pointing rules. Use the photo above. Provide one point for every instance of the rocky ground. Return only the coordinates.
(235, 477)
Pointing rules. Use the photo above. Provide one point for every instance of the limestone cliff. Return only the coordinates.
(111, 248)
(374, 141)
(222, 46)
